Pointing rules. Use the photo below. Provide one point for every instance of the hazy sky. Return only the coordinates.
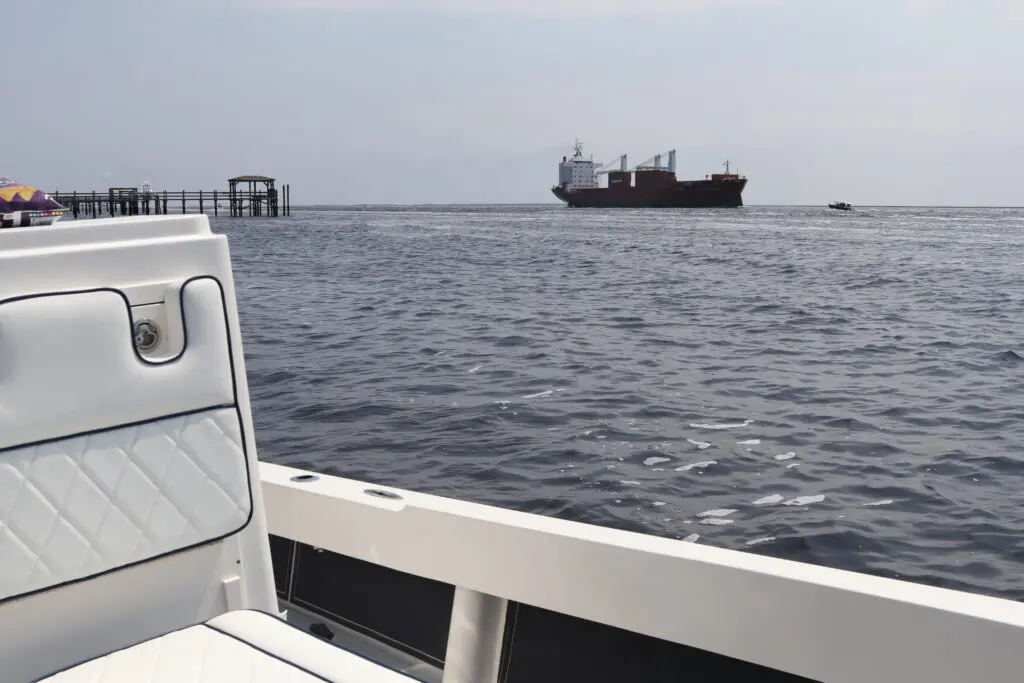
(436, 101)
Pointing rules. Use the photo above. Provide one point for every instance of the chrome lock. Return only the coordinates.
(147, 335)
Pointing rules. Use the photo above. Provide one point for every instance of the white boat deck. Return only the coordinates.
(238, 646)
(135, 520)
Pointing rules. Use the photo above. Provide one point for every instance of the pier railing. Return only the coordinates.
(132, 202)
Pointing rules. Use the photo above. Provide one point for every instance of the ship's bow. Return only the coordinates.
(562, 194)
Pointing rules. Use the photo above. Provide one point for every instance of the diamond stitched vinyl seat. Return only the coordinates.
(244, 646)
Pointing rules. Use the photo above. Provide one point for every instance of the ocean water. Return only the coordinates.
(845, 389)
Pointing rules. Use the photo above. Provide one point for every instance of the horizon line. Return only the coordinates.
(745, 206)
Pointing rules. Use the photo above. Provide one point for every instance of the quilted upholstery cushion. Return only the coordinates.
(108, 459)
(81, 506)
(238, 647)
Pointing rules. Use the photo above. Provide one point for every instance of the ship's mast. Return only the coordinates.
(579, 149)
(726, 167)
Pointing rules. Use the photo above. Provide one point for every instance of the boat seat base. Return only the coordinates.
(244, 646)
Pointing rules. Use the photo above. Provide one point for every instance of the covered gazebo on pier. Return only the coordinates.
(255, 195)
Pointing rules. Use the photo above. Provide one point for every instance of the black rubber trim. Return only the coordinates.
(307, 634)
(103, 430)
(238, 413)
(269, 654)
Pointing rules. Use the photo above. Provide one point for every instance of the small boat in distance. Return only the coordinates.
(840, 206)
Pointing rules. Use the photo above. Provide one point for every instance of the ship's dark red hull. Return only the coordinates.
(688, 194)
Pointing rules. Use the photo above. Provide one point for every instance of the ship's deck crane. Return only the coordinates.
(604, 169)
(654, 163)
(651, 164)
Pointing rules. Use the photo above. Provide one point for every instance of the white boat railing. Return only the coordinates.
(824, 624)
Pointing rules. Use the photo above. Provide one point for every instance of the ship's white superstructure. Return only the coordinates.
(577, 172)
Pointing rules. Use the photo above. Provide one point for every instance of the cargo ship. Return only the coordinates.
(646, 185)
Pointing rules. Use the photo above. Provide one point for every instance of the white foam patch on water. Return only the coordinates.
(768, 500)
(805, 500)
(655, 460)
(727, 425)
(795, 464)
(699, 465)
(786, 456)
(717, 521)
(658, 503)
(540, 394)
(475, 368)
(701, 445)
(692, 538)
(758, 541)
(629, 483)
(718, 512)
(887, 501)
(749, 442)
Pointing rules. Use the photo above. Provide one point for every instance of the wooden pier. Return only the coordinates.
(248, 195)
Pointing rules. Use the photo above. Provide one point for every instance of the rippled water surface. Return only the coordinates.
(843, 389)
